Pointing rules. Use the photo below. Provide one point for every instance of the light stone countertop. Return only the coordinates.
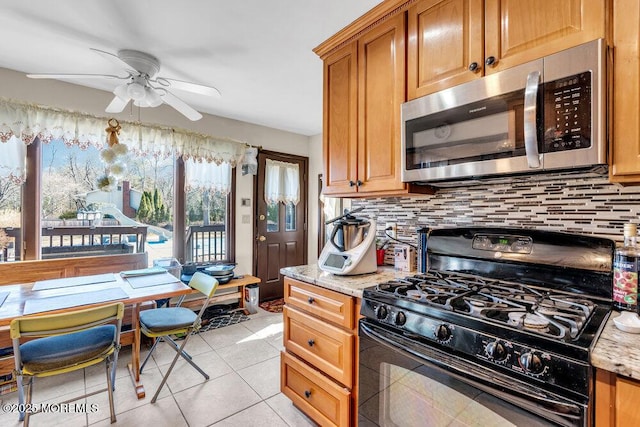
(617, 351)
(349, 285)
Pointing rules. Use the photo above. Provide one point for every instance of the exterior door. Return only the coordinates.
(281, 229)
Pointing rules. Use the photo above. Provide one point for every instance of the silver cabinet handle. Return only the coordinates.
(530, 131)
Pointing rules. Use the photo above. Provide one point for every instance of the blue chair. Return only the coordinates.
(161, 323)
(64, 343)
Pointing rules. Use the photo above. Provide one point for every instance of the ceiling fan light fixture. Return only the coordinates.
(121, 92)
(136, 91)
(152, 97)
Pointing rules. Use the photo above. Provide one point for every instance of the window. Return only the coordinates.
(78, 218)
(65, 176)
(10, 220)
(207, 214)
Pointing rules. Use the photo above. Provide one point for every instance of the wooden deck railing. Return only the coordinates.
(62, 242)
(206, 243)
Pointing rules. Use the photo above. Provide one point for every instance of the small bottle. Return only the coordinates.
(625, 271)
(423, 256)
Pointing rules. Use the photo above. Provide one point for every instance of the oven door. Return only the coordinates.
(404, 382)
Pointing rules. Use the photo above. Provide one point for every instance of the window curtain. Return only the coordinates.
(282, 182)
(12, 160)
(203, 175)
(25, 122)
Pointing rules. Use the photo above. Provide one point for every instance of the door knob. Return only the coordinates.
(262, 238)
(262, 217)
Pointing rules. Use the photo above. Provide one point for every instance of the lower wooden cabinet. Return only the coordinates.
(319, 364)
(325, 346)
(617, 399)
(320, 398)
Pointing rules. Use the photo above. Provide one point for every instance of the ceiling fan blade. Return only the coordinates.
(180, 105)
(75, 76)
(117, 105)
(190, 87)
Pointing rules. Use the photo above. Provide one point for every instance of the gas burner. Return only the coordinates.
(529, 321)
(480, 305)
(525, 307)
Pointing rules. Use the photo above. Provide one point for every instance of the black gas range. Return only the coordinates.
(515, 308)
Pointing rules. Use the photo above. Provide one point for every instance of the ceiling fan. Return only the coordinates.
(142, 85)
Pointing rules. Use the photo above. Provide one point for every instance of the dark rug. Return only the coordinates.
(273, 306)
(220, 316)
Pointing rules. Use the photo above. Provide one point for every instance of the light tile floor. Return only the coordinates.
(243, 363)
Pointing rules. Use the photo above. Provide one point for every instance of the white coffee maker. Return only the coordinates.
(351, 249)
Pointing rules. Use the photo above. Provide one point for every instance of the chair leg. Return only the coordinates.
(146, 359)
(27, 414)
(110, 384)
(175, 359)
(20, 386)
(188, 358)
(114, 367)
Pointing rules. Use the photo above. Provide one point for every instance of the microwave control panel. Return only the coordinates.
(567, 113)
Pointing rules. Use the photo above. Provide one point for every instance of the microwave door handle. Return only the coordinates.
(530, 113)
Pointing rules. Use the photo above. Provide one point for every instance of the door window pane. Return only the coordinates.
(273, 217)
(290, 217)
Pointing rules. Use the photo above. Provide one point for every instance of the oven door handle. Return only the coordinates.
(520, 394)
(530, 119)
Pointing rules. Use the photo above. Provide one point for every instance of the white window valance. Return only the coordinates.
(282, 182)
(26, 122)
(207, 176)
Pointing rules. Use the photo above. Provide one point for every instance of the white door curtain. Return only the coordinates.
(282, 182)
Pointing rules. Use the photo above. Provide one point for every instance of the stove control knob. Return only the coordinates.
(531, 363)
(400, 318)
(382, 312)
(443, 333)
(497, 351)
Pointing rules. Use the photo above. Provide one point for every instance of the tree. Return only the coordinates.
(152, 209)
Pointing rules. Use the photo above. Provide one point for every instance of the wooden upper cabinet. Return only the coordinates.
(364, 88)
(445, 37)
(454, 41)
(381, 92)
(521, 31)
(625, 121)
(340, 143)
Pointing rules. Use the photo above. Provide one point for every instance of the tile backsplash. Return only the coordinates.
(585, 205)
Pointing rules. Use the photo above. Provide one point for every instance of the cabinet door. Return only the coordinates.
(326, 347)
(340, 121)
(330, 306)
(521, 31)
(444, 37)
(625, 145)
(317, 396)
(381, 92)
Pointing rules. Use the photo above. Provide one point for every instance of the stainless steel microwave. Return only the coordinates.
(544, 115)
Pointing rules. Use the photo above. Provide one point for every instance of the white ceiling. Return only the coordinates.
(258, 53)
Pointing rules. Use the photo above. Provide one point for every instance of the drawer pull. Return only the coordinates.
(307, 393)
(311, 342)
(311, 300)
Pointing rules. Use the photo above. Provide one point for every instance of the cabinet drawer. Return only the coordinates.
(326, 347)
(317, 396)
(329, 305)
